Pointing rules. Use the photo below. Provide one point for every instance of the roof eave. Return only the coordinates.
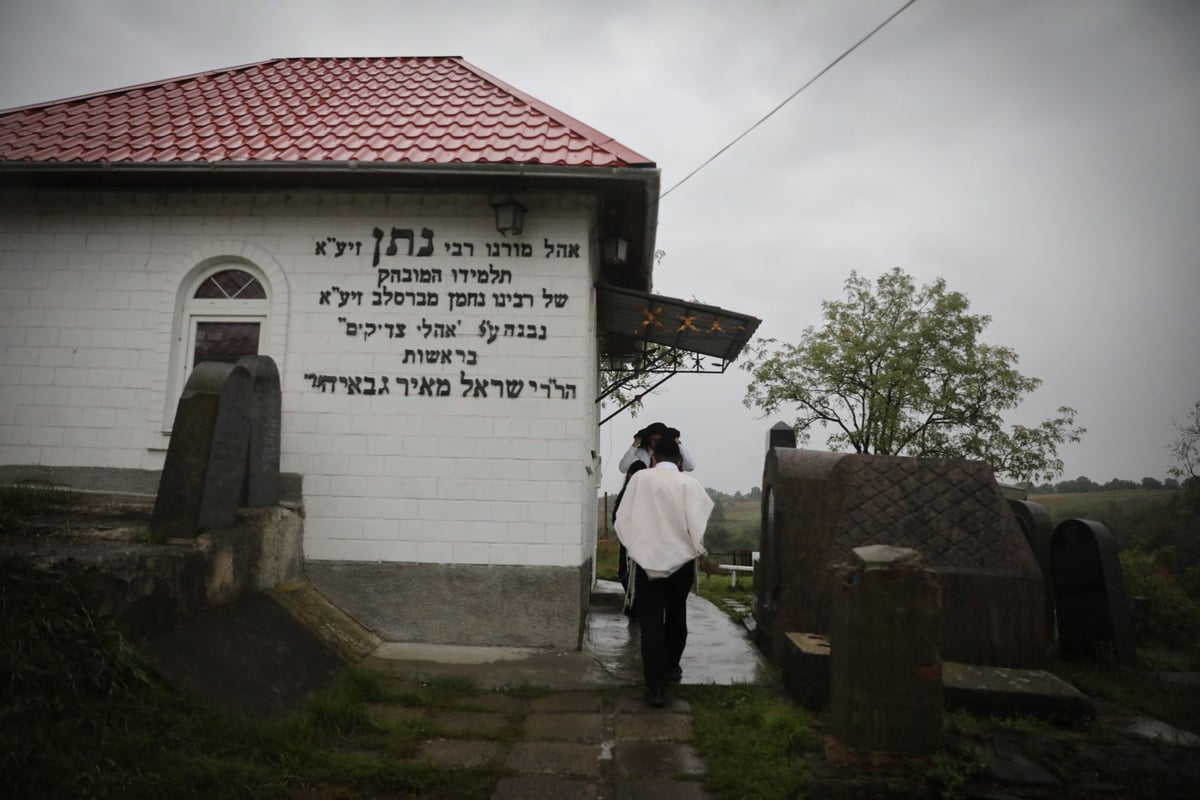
(374, 176)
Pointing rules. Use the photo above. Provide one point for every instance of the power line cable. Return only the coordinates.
(790, 97)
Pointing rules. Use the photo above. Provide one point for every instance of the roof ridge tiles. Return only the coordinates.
(417, 109)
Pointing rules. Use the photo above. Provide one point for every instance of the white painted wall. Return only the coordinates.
(91, 292)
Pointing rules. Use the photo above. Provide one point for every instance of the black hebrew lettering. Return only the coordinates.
(489, 275)
(439, 330)
(395, 330)
(456, 248)
(322, 382)
(407, 234)
(509, 249)
(560, 249)
(433, 386)
(559, 300)
(514, 299)
(378, 235)
(489, 330)
(408, 275)
(400, 233)
(341, 247)
(467, 300)
(344, 297)
(387, 297)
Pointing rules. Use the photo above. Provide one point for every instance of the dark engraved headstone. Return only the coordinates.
(1036, 525)
(781, 435)
(1089, 592)
(262, 460)
(206, 460)
(819, 506)
(885, 669)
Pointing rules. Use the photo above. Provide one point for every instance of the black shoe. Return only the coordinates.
(675, 675)
(655, 696)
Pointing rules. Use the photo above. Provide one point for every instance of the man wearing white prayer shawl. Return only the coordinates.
(661, 522)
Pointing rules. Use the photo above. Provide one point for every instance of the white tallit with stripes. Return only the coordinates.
(661, 519)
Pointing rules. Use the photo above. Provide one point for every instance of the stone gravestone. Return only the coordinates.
(1036, 525)
(262, 459)
(1089, 592)
(819, 506)
(206, 460)
(885, 670)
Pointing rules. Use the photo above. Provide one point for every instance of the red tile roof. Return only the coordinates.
(398, 110)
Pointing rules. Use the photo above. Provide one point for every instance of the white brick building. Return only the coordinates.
(439, 377)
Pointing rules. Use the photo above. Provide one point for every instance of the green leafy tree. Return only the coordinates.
(1186, 448)
(1081, 484)
(901, 370)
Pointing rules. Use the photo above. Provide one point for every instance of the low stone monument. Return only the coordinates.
(206, 460)
(1035, 524)
(885, 666)
(262, 459)
(1089, 592)
(819, 506)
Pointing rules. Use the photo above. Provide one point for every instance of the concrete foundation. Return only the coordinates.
(118, 481)
(510, 606)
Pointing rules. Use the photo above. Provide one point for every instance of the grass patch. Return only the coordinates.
(607, 558)
(19, 502)
(143, 535)
(1172, 703)
(1097, 505)
(715, 589)
(80, 716)
(753, 741)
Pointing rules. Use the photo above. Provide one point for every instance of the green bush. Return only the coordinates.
(1172, 617)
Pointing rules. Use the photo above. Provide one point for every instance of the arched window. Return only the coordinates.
(224, 317)
(227, 312)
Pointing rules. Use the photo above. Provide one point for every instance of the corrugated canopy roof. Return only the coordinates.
(669, 321)
(438, 110)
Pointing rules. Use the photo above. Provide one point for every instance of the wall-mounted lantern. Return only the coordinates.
(615, 250)
(510, 216)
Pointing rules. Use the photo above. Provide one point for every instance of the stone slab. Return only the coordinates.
(661, 790)
(469, 722)
(555, 758)
(461, 753)
(1007, 764)
(568, 701)
(633, 703)
(656, 759)
(806, 670)
(390, 713)
(660, 727)
(545, 787)
(1002, 691)
(989, 691)
(492, 701)
(565, 726)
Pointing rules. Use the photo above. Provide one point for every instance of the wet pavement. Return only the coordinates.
(593, 737)
(719, 651)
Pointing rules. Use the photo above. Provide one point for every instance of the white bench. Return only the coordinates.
(734, 569)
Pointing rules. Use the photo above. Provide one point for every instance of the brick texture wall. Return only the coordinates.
(93, 309)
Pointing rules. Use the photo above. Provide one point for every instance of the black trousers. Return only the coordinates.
(661, 608)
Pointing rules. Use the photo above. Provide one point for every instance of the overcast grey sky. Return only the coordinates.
(1041, 156)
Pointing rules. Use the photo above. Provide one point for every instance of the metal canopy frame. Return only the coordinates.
(657, 335)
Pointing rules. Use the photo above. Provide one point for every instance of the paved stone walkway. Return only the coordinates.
(590, 745)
